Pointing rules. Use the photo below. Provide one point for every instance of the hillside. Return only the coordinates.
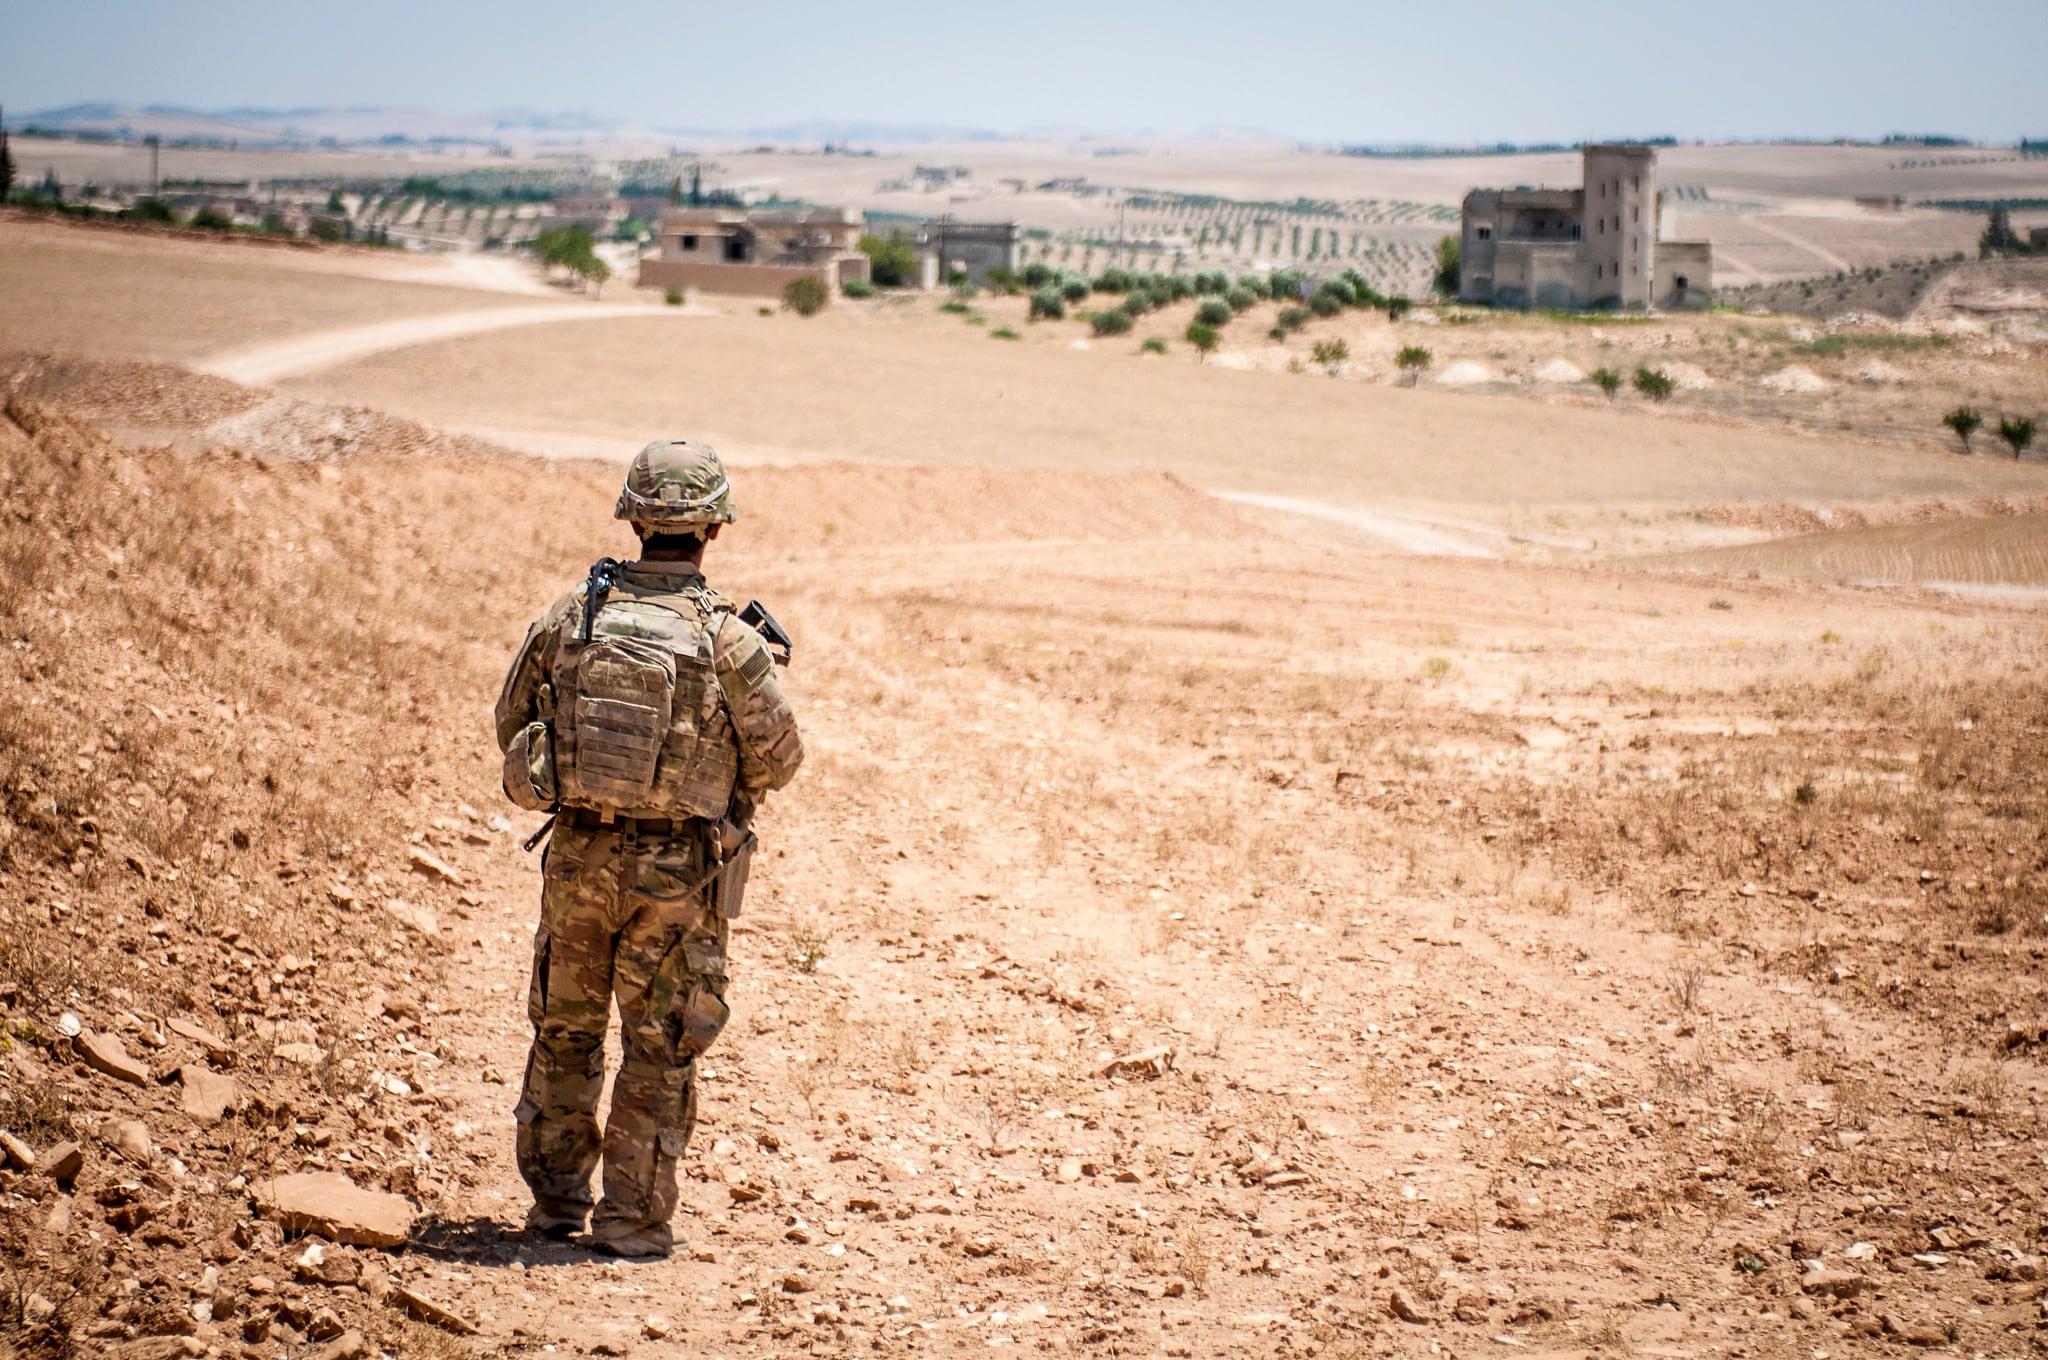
(1186, 938)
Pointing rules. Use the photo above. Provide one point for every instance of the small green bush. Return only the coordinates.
(1004, 333)
(857, 288)
(1213, 281)
(1213, 311)
(1113, 280)
(1153, 345)
(1074, 290)
(2018, 432)
(1653, 383)
(1412, 360)
(1294, 318)
(1110, 321)
(805, 297)
(328, 229)
(1399, 306)
(1048, 303)
(1964, 420)
(1138, 302)
(1202, 336)
(1003, 280)
(956, 308)
(1241, 299)
(1277, 333)
(673, 297)
(1339, 289)
(1607, 380)
(208, 219)
(1325, 304)
(1330, 353)
(1036, 276)
(1253, 284)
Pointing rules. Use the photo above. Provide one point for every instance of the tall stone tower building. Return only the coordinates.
(1591, 247)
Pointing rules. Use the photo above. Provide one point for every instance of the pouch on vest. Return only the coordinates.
(625, 692)
(530, 768)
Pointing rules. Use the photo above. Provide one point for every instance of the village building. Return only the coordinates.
(1597, 246)
(755, 250)
(947, 247)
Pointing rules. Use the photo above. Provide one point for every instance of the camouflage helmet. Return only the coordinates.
(676, 484)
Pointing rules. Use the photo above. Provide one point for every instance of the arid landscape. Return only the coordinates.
(1291, 862)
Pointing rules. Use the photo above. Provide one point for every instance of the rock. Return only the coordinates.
(1069, 1171)
(426, 1310)
(1801, 1307)
(63, 1162)
(130, 1138)
(36, 1309)
(421, 919)
(324, 1326)
(374, 1280)
(153, 1348)
(1153, 1062)
(796, 1282)
(1839, 1284)
(304, 1055)
(335, 1207)
(654, 1327)
(208, 1095)
(1403, 1306)
(1280, 1180)
(15, 1153)
(198, 1034)
(1913, 1333)
(105, 1053)
(981, 1246)
(424, 863)
(1175, 1288)
(348, 1346)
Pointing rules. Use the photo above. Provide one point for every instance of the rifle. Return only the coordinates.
(757, 617)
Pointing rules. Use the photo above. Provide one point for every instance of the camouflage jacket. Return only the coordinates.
(770, 750)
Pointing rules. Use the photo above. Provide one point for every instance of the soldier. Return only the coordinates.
(646, 715)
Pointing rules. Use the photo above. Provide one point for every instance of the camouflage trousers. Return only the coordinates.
(615, 924)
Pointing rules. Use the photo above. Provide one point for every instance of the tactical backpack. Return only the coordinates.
(640, 728)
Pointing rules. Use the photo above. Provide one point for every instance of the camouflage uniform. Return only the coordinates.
(625, 914)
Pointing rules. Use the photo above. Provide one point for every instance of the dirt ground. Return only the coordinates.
(1196, 932)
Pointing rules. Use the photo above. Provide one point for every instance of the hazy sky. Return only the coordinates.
(1315, 69)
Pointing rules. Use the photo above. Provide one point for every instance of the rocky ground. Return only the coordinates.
(1191, 935)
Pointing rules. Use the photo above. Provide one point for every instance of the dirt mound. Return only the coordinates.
(1560, 371)
(1795, 378)
(1466, 373)
(124, 393)
(2009, 551)
(319, 432)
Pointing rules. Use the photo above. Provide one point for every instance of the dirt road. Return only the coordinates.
(260, 365)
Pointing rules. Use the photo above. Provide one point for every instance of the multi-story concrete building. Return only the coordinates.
(1595, 246)
(755, 250)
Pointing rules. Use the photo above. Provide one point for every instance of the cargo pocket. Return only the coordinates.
(701, 1013)
(529, 776)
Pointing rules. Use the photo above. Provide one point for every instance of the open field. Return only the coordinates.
(1197, 931)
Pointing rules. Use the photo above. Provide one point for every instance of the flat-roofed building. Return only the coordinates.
(755, 251)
